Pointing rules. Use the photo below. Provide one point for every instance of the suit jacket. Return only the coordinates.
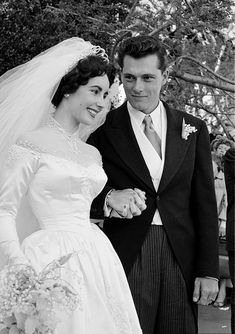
(229, 172)
(185, 197)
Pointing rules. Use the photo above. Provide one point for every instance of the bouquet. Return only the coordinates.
(32, 303)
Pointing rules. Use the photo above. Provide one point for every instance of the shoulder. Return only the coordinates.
(230, 155)
(116, 113)
(93, 150)
(35, 136)
(35, 140)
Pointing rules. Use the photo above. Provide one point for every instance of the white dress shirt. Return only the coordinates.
(154, 163)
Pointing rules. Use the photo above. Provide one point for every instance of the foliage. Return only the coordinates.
(195, 33)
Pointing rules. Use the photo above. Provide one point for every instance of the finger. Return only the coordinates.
(129, 215)
(139, 202)
(204, 300)
(140, 193)
(125, 210)
(196, 292)
(134, 209)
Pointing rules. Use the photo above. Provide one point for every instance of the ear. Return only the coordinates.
(165, 75)
(121, 75)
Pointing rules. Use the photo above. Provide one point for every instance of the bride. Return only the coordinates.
(43, 103)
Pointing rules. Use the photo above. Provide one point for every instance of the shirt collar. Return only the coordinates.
(138, 116)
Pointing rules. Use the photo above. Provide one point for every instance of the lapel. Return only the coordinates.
(176, 147)
(123, 140)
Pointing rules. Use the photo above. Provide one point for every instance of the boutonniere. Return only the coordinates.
(187, 129)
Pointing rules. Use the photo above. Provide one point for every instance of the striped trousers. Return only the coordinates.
(159, 290)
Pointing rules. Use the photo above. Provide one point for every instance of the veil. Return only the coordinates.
(26, 90)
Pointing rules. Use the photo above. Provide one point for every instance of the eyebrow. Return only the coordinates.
(96, 86)
(99, 88)
(144, 74)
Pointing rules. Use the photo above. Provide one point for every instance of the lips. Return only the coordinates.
(92, 112)
(138, 97)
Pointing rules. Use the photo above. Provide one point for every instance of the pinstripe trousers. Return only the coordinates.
(159, 290)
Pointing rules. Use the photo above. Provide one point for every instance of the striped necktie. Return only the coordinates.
(152, 135)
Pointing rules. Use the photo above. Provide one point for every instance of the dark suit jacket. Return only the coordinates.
(185, 198)
(229, 172)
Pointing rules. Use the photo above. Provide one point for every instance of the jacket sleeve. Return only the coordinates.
(205, 208)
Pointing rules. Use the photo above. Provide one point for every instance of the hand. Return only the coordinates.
(222, 228)
(127, 203)
(205, 290)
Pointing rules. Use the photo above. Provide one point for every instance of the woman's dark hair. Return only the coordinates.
(220, 140)
(86, 68)
(141, 46)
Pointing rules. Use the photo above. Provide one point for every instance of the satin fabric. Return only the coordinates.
(60, 192)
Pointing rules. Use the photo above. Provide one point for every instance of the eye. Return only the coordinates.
(129, 77)
(105, 95)
(95, 91)
(147, 78)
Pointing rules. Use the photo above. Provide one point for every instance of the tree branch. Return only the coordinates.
(205, 67)
(189, 6)
(204, 81)
(132, 10)
(51, 8)
(157, 30)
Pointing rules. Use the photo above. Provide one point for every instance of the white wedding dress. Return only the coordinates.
(60, 181)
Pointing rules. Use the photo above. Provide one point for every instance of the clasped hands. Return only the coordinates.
(126, 203)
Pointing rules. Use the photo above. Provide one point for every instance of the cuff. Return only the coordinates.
(107, 208)
(213, 278)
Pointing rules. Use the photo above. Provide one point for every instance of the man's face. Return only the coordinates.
(142, 81)
(222, 149)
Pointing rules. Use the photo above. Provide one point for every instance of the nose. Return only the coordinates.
(101, 102)
(138, 86)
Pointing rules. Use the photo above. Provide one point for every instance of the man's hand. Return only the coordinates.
(127, 203)
(205, 290)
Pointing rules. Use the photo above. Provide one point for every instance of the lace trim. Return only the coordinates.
(33, 147)
(16, 154)
(76, 159)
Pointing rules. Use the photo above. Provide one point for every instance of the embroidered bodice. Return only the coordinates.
(60, 182)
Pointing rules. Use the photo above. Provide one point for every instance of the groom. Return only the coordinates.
(169, 251)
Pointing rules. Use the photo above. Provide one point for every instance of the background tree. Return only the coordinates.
(198, 34)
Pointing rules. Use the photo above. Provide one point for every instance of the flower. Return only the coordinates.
(187, 129)
(32, 303)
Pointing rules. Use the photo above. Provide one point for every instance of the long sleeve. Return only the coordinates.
(15, 177)
(205, 209)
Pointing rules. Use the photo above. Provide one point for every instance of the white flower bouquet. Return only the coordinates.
(32, 303)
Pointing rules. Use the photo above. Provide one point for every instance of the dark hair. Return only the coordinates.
(220, 140)
(141, 46)
(86, 68)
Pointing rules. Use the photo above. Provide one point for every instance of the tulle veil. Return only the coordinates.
(25, 102)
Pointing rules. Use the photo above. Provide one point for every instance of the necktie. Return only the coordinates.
(152, 135)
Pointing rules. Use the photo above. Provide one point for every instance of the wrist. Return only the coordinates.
(108, 198)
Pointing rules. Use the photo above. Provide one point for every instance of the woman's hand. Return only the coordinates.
(127, 203)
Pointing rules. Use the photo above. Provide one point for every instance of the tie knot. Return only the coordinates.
(148, 122)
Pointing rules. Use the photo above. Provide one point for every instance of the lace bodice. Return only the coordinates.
(59, 190)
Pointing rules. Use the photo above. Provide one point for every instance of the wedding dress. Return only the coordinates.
(60, 178)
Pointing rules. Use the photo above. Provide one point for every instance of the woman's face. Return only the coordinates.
(88, 100)
(222, 149)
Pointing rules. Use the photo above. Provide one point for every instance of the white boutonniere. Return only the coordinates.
(187, 129)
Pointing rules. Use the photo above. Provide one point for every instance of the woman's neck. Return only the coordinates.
(65, 121)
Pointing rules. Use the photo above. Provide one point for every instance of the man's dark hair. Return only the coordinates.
(86, 68)
(141, 46)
